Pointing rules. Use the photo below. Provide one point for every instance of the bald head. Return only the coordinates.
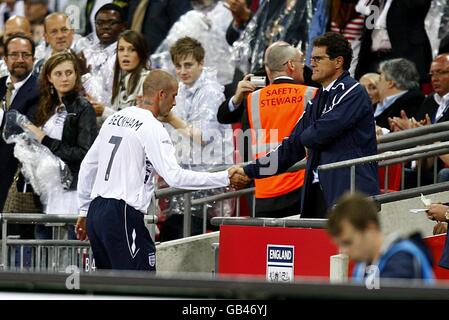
(158, 80)
(442, 58)
(159, 90)
(439, 71)
(278, 54)
(282, 59)
(58, 32)
(17, 25)
(56, 17)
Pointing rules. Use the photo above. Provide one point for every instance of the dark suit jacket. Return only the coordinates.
(444, 45)
(408, 37)
(410, 102)
(26, 102)
(159, 18)
(430, 107)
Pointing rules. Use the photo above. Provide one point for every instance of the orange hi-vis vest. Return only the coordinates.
(273, 112)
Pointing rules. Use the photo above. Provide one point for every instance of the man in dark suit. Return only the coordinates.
(406, 34)
(18, 92)
(337, 125)
(398, 90)
(155, 18)
(435, 107)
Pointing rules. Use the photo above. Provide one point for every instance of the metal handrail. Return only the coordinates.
(406, 134)
(62, 243)
(38, 218)
(384, 156)
(410, 193)
(412, 142)
(24, 218)
(270, 222)
(413, 157)
(223, 196)
(321, 223)
(410, 138)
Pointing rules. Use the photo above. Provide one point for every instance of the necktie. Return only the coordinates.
(9, 90)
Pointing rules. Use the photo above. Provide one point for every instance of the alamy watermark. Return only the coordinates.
(217, 147)
(72, 282)
(373, 16)
(372, 280)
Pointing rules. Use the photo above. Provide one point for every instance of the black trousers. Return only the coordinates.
(315, 205)
(118, 236)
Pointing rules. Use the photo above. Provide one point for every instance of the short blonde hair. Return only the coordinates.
(372, 77)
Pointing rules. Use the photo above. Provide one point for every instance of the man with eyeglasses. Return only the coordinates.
(434, 109)
(435, 106)
(19, 91)
(100, 57)
(337, 125)
(15, 25)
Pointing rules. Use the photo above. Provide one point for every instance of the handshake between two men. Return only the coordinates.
(237, 177)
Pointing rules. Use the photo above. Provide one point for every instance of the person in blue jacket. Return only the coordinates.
(338, 125)
(354, 226)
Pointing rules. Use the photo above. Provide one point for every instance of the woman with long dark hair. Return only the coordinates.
(66, 124)
(131, 69)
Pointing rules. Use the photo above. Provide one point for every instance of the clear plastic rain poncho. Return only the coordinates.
(437, 23)
(208, 27)
(41, 168)
(98, 83)
(275, 20)
(198, 107)
(43, 50)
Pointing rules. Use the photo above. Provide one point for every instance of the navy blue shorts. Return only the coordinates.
(118, 236)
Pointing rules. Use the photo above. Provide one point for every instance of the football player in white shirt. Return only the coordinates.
(116, 178)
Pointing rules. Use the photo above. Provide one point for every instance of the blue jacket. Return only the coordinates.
(404, 259)
(344, 130)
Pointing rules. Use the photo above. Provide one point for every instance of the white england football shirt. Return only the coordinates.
(131, 145)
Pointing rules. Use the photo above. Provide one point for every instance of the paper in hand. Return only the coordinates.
(418, 210)
(426, 201)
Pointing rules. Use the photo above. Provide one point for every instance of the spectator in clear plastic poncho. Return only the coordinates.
(101, 56)
(275, 20)
(207, 23)
(130, 71)
(193, 122)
